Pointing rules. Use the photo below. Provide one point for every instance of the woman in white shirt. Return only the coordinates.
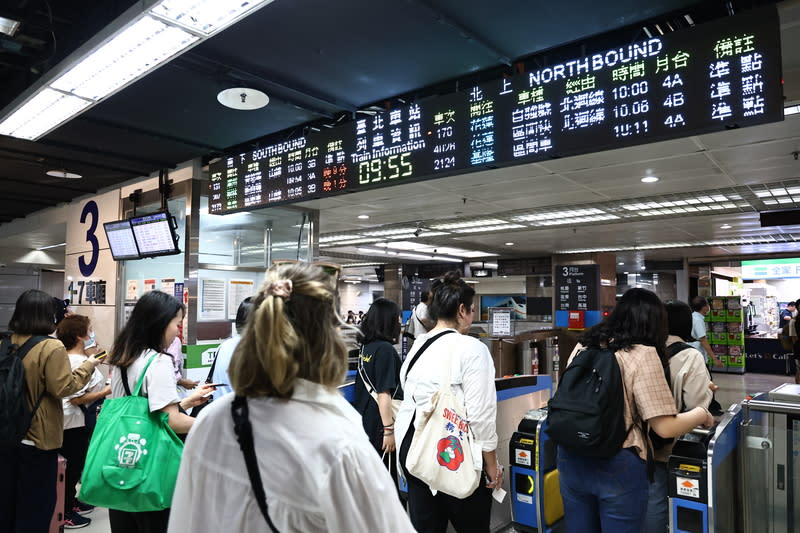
(311, 467)
(151, 328)
(472, 378)
(74, 331)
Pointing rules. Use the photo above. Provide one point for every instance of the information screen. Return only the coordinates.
(121, 241)
(720, 75)
(154, 234)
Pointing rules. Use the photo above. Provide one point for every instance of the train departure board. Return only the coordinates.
(719, 75)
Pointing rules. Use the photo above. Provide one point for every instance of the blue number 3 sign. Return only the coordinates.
(90, 210)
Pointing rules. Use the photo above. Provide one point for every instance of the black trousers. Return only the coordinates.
(149, 522)
(430, 514)
(27, 489)
(76, 443)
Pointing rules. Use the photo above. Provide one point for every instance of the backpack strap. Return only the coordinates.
(365, 378)
(675, 348)
(21, 352)
(244, 434)
(425, 347)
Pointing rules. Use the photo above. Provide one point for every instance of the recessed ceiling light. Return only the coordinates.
(63, 174)
(643, 267)
(243, 98)
(509, 244)
(649, 179)
(363, 217)
(620, 263)
(725, 226)
(624, 272)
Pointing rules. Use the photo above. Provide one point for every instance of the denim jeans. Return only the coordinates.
(603, 495)
(657, 520)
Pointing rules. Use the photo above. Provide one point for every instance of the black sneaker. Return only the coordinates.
(83, 508)
(75, 521)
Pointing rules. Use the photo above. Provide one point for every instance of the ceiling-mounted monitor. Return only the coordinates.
(121, 240)
(155, 234)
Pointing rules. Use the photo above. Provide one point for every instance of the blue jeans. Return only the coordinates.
(657, 520)
(603, 495)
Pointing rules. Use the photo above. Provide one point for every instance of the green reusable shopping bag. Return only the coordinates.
(133, 458)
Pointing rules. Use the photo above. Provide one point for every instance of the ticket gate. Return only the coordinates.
(536, 503)
(702, 478)
(770, 461)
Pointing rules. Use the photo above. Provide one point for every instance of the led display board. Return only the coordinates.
(723, 74)
(155, 234)
(120, 240)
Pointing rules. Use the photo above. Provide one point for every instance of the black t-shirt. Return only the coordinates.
(382, 367)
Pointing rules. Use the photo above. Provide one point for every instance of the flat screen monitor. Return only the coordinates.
(155, 234)
(121, 241)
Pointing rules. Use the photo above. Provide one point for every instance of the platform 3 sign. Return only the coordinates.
(90, 271)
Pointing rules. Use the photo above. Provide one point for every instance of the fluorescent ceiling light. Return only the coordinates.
(392, 231)
(363, 217)
(205, 16)
(41, 114)
(99, 69)
(649, 179)
(470, 224)
(489, 228)
(63, 174)
(334, 238)
(791, 110)
(51, 246)
(363, 240)
(8, 26)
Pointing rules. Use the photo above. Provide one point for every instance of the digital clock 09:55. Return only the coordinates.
(385, 168)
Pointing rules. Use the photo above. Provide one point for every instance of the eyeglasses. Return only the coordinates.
(332, 269)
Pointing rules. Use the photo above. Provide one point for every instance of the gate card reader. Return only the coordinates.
(687, 482)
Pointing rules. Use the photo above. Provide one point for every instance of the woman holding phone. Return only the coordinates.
(151, 328)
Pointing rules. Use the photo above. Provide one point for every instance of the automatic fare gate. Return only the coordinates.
(702, 478)
(770, 468)
(536, 503)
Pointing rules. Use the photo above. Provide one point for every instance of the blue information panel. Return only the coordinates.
(720, 75)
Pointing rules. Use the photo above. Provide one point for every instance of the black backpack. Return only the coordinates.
(15, 413)
(587, 413)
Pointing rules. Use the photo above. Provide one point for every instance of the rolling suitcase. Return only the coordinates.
(57, 523)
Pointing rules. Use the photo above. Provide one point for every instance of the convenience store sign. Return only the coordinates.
(771, 269)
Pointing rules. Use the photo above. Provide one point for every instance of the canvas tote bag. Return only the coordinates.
(133, 457)
(441, 452)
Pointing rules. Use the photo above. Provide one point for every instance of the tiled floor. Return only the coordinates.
(732, 389)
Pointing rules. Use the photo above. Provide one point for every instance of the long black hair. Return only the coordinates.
(145, 328)
(34, 314)
(638, 318)
(382, 322)
(679, 319)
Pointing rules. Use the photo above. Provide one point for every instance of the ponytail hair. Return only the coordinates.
(291, 333)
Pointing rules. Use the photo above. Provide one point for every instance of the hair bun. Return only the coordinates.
(454, 276)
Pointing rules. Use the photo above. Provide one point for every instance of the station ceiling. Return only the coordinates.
(322, 61)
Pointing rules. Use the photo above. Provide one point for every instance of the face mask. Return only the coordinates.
(88, 343)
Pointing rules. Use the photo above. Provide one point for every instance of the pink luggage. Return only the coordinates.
(57, 524)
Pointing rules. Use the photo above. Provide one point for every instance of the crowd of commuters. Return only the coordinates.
(286, 431)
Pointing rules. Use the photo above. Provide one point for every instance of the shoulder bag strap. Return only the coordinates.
(363, 373)
(425, 347)
(138, 388)
(210, 377)
(244, 434)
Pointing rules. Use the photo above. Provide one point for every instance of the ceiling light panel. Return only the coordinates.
(42, 113)
(137, 50)
(391, 231)
(487, 229)
(470, 224)
(206, 16)
(9, 26)
(335, 238)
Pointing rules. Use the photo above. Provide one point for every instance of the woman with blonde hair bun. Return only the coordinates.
(285, 450)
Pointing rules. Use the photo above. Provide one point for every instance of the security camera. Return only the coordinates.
(796, 154)
(417, 232)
